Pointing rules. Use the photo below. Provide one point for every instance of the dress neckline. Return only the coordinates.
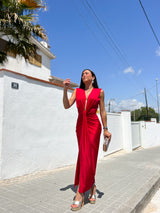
(86, 99)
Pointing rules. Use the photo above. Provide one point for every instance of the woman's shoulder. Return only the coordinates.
(99, 90)
(101, 93)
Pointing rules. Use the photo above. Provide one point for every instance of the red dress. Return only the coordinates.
(88, 131)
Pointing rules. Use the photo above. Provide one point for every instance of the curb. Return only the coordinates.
(148, 195)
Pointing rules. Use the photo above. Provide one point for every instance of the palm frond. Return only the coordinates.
(16, 21)
(29, 17)
(3, 57)
(32, 4)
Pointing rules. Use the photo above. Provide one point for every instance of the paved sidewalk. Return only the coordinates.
(125, 183)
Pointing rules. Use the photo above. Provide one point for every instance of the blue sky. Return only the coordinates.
(122, 50)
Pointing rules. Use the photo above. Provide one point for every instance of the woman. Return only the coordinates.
(88, 130)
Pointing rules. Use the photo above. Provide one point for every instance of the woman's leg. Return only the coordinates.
(79, 195)
(93, 190)
(80, 201)
(92, 196)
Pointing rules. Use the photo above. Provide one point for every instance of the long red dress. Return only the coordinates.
(88, 131)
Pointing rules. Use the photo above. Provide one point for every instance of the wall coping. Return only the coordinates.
(33, 78)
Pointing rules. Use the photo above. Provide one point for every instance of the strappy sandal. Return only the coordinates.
(77, 205)
(92, 197)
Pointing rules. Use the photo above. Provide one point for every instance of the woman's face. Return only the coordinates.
(87, 76)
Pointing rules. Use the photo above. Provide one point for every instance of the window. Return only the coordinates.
(36, 60)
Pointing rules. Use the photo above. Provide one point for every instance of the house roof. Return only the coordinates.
(60, 81)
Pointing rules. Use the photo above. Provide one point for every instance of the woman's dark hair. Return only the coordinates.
(95, 84)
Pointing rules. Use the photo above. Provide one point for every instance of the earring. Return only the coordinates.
(92, 81)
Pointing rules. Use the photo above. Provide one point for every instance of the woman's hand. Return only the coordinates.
(66, 83)
(107, 134)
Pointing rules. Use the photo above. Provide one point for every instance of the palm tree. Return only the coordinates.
(17, 19)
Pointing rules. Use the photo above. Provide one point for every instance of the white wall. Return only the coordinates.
(127, 131)
(119, 124)
(19, 65)
(42, 72)
(115, 127)
(1, 117)
(13, 64)
(150, 132)
(136, 136)
(38, 134)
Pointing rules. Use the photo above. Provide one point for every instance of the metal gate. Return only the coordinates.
(136, 140)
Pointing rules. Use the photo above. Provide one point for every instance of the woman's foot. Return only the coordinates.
(92, 195)
(78, 202)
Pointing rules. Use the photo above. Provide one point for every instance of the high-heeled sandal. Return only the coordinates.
(92, 197)
(77, 205)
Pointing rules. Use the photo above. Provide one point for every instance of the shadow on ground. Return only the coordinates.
(74, 189)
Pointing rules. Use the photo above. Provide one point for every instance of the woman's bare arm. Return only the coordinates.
(102, 109)
(104, 115)
(68, 102)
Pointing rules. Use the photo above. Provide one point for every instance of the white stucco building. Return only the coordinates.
(40, 67)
